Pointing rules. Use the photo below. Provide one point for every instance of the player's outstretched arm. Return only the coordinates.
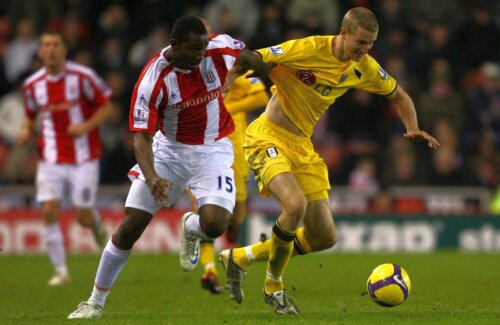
(247, 60)
(408, 116)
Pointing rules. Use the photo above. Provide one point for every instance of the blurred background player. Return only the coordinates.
(71, 101)
(309, 74)
(245, 95)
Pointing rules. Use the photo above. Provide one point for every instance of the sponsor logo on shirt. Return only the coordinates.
(306, 77)
(196, 101)
(383, 74)
(276, 50)
(56, 107)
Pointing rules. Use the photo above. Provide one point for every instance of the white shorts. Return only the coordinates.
(204, 169)
(79, 181)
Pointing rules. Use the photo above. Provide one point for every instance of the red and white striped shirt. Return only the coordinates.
(70, 97)
(186, 104)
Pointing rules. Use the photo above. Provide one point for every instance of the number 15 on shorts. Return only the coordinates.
(225, 183)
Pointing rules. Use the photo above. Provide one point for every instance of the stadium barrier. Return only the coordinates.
(21, 232)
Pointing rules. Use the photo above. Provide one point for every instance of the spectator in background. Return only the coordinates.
(11, 121)
(270, 28)
(441, 100)
(12, 113)
(318, 17)
(75, 32)
(447, 168)
(401, 165)
(20, 51)
(483, 104)
(424, 15)
(39, 12)
(434, 45)
(233, 17)
(363, 179)
(484, 160)
(146, 47)
(476, 40)
(116, 162)
(397, 66)
(72, 101)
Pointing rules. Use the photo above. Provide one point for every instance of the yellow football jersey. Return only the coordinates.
(309, 78)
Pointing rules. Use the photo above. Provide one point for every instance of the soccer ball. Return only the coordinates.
(388, 285)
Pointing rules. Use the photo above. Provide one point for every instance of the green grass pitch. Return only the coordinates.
(447, 288)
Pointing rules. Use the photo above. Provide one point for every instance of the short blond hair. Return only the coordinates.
(360, 17)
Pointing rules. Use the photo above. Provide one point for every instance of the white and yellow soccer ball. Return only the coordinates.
(388, 285)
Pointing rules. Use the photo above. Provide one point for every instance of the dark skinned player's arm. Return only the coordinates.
(247, 60)
(144, 155)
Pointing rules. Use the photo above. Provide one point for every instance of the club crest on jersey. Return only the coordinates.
(210, 77)
(306, 77)
(383, 74)
(343, 78)
(276, 50)
(272, 152)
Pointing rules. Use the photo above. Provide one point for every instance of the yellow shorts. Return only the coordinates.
(240, 166)
(271, 150)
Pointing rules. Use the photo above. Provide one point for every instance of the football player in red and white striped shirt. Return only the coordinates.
(179, 92)
(71, 101)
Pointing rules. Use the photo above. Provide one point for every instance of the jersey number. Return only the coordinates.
(228, 186)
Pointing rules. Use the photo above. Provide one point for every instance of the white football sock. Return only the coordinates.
(193, 227)
(54, 242)
(96, 225)
(112, 261)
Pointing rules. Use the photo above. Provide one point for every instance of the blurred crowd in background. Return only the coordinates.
(445, 55)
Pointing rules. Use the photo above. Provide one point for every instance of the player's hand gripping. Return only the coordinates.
(431, 141)
(159, 188)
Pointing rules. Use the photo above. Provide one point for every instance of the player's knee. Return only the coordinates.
(50, 212)
(125, 237)
(214, 227)
(131, 228)
(330, 240)
(84, 217)
(296, 207)
(324, 241)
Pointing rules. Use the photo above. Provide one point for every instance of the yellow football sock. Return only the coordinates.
(279, 255)
(259, 252)
(301, 246)
(207, 258)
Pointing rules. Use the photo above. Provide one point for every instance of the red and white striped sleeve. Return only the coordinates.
(147, 93)
(227, 46)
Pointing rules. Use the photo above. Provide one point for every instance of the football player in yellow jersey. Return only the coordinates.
(245, 95)
(308, 75)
